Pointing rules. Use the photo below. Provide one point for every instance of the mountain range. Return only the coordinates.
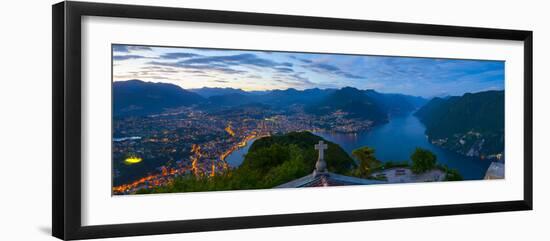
(396, 103)
(472, 124)
(207, 92)
(355, 103)
(136, 97)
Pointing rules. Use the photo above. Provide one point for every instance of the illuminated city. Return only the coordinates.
(192, 119)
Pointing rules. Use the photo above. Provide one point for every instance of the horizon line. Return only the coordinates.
(426, 97)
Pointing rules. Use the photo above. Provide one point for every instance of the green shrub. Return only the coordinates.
(422, 160)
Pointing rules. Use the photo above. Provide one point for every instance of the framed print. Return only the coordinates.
(170, 120)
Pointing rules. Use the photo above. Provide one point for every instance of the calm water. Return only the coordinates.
(395, 141)
(237, 157)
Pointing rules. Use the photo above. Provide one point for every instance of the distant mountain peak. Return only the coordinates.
(137, 97)
(216, 88)
(208, 92)
(348, 88)
(352, 101)
(134, 80)
(471, 124)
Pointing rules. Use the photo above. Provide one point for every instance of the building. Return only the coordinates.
(321, 177)
(495, 171)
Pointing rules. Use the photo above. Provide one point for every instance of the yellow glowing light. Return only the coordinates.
(213, 173)
(229, 130)
(132, 160)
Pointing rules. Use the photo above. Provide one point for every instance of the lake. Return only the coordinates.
(237, 157)
(394, 141)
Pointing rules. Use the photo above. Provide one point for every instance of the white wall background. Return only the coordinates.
(25, 122)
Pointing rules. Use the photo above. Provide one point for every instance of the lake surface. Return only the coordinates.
(394, 141)
(237, 157)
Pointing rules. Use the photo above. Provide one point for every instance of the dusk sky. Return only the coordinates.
(264, 70)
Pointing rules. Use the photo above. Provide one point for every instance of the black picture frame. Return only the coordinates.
(66, 47)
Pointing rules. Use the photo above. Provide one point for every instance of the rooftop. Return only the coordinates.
(327, 179)
(495, 171)
(322, 178)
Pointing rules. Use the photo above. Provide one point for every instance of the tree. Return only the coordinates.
(422, 160)
(367, 161)
(266, 158)
(270, 161)
(453, 175)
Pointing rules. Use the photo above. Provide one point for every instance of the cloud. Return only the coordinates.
(295, 80)
(239, 59)
(300, 78)
(126, 57)
(324, 68)
(284, 70)
(247, 65)
(178, 55)
(220, 81)
(484, 77)
(226, 64)
(351, 76)
(192, 67)
(254, 76)
(137, 48)
(408, 75)
(121, 48)
(307, 61)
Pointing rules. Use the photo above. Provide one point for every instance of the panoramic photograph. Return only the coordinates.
(187, 119)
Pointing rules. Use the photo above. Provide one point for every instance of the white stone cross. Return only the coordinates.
(321, 147)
